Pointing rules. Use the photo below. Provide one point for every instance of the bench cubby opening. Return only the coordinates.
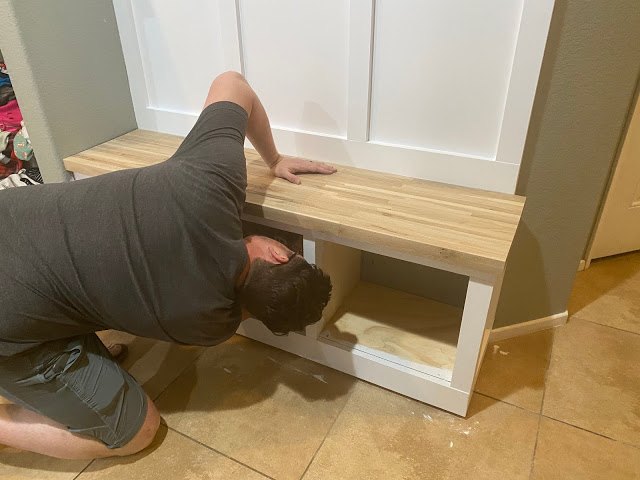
(401, 327)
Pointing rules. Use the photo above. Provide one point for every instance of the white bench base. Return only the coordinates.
(450, 390)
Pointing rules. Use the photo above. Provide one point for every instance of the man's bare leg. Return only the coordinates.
(26, 430)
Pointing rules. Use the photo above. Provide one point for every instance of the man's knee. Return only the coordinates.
(145, 435)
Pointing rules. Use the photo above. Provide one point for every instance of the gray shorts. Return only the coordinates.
(75, 382)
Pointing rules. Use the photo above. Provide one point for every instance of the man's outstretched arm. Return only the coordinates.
(232, 87)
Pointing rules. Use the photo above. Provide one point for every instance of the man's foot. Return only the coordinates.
(118, 351)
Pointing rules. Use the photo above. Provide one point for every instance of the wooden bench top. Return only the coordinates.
(463, 227)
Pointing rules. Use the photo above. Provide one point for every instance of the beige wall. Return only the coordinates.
(588, 79)
(68, 73)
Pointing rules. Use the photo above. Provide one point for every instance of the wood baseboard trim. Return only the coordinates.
(531, 326)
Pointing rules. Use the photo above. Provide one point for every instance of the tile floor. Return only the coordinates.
(561, 404)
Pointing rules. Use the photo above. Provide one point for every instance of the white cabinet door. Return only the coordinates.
(432, 89)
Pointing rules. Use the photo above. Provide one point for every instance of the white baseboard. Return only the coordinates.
(582, 265)
(528, 327)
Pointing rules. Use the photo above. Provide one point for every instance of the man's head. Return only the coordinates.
(281, 289)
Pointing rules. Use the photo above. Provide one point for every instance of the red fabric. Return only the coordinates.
(10, 117)
(10, 168)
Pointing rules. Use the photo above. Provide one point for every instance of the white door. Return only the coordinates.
(432, 89)
(618, 229)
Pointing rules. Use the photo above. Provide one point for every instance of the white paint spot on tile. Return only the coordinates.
(466, 432)
(502, 352)
(495, 349)
(321, 378)
(226, 370)
(427, 417)
(450, 444)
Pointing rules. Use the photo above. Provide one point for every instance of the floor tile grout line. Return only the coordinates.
(591, 431)
(501, 401)
(219, 452)
(85, 467)
(606, 326)
(535, 448)
(544, 389)
(155, 399)
(546, 374)
(544, 392)
(325, 437)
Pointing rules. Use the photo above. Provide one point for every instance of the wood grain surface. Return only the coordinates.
(403, 325)
(472, 229)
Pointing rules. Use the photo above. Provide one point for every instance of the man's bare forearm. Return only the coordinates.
(233, 87)
(260, 135)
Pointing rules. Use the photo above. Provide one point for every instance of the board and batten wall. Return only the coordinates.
(423, 88)
(587, 81)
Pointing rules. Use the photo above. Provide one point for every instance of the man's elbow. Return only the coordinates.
(231, 86)
(229, 77)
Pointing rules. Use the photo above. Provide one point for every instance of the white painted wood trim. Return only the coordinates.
(527, 60)
(309, 250)
(370, 368)
(524, 328)
(133, 63)
(582, 265)
(231, 34)
(361, 20)
(437, 372)
(431, 165)
(497, 289)
(477, 308)
(483, 349)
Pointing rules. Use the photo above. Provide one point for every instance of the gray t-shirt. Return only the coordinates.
(153, 251)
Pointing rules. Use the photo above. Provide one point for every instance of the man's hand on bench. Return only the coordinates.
(287, 167)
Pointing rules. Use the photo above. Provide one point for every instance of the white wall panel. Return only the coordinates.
(181, 49)
(433, 89)
(296, 58)
(441, 71)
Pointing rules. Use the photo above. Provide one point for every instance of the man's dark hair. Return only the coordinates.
(285, 297)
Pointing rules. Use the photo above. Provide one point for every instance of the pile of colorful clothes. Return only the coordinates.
(16, 153)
